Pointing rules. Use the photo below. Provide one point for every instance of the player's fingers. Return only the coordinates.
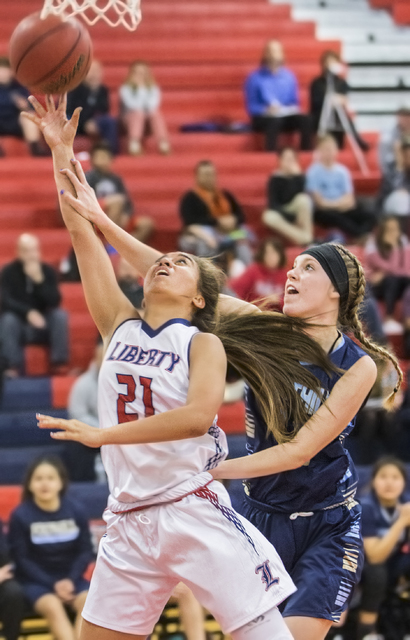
(60, 435)
(75, 117)
(62, 102)
(50, 104)
(49, 422)
(72, 178)
(79, 171)
(32, 117)
(37, 106)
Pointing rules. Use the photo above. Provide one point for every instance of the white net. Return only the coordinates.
(114, 12)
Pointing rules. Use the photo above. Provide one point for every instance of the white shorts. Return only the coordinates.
(230, 566)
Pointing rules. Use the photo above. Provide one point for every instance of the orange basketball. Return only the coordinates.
(51, 55)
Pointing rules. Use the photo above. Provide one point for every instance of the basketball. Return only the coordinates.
(51, 55)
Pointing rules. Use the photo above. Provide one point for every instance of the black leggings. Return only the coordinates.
(355, 222)
(12, 606)
(272, 126)
(390, 290)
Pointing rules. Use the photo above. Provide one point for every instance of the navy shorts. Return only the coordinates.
(34, 591)
(322, 552)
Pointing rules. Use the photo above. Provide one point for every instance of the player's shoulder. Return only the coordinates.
(351, 350)
(206, 343)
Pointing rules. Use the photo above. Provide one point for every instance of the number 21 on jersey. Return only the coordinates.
(124, 398)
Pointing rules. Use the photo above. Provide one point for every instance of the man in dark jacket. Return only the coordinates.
(212, 217)
(29, 300)
(12, 601)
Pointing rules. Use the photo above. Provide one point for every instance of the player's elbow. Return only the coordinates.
(201, 423)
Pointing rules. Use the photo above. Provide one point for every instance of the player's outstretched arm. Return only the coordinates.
(206, 388)
(321, 429)
(106, 302)
(140, 255)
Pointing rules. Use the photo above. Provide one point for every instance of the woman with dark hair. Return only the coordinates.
(290, 209)
(385, 530)
(331, 81)
(160, 386)
(51, 546)
(264, 278)
(387, 261)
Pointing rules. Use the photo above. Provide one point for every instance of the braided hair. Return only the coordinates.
(349, 320)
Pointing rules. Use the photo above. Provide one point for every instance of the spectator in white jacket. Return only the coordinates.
(140, 99)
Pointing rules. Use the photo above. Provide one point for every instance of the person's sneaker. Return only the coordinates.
(393, 328)
(134, 148)
(373, 636)
(164, 147)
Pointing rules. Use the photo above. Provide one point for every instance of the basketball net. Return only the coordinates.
(114, 12)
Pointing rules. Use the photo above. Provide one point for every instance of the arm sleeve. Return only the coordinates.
(254, 104)
(272, 190)
(47, 291)
(19, 549)
(236, 207)
(154, 98)
(317, 95)
(85, 552)
(312, 183)
(294, 90)
(78, 402)
(369, 529)
(8, 301)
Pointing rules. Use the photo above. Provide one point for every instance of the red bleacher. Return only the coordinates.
(400, 9)
(201, 51)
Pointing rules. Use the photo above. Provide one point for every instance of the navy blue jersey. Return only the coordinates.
(377, 520)
(330, 477)
(49, 545)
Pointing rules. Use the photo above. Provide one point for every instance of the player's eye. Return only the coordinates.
(183, 260)
(309, 266)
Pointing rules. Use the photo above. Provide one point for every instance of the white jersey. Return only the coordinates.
(146, 372)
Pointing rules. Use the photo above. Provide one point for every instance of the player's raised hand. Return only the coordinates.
(57, 129)
(86, 203)
(70, 430)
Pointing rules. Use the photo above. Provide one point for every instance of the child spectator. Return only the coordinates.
(387, 262)
(330, 185)
(13, 100)
(12, 602)
(51, 547)
(289, 208)
(94, 99)
(385, 523)
(140, 99)
(264, 278)
(30, 300)
(113, 194)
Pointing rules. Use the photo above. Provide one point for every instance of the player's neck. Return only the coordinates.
(325, 335)
(158, 315)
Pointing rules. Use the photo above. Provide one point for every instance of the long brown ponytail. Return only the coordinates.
(267, 349)
(349, 320)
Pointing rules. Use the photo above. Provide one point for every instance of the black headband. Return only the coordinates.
(333, 264)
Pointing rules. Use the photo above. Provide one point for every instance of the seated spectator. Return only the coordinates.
(212, 218)
(113, 195)
(289, 208)
(387, 262)
(13, 100)
(50, 544)
(391, 142)
(140, 99)
(30, 300)
(385, 522)
(272, 100)
(395, 188)
(12, 601)
(94, 99)
(264, 280)
(330, 185)
(331, 81)
(82, 405)
(130, 282)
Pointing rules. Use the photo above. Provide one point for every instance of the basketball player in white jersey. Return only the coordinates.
(161, 384)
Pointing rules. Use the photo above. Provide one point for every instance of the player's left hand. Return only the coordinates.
(57, 129)
(70, 430)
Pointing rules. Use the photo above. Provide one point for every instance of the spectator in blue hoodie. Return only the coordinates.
(51, 546)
